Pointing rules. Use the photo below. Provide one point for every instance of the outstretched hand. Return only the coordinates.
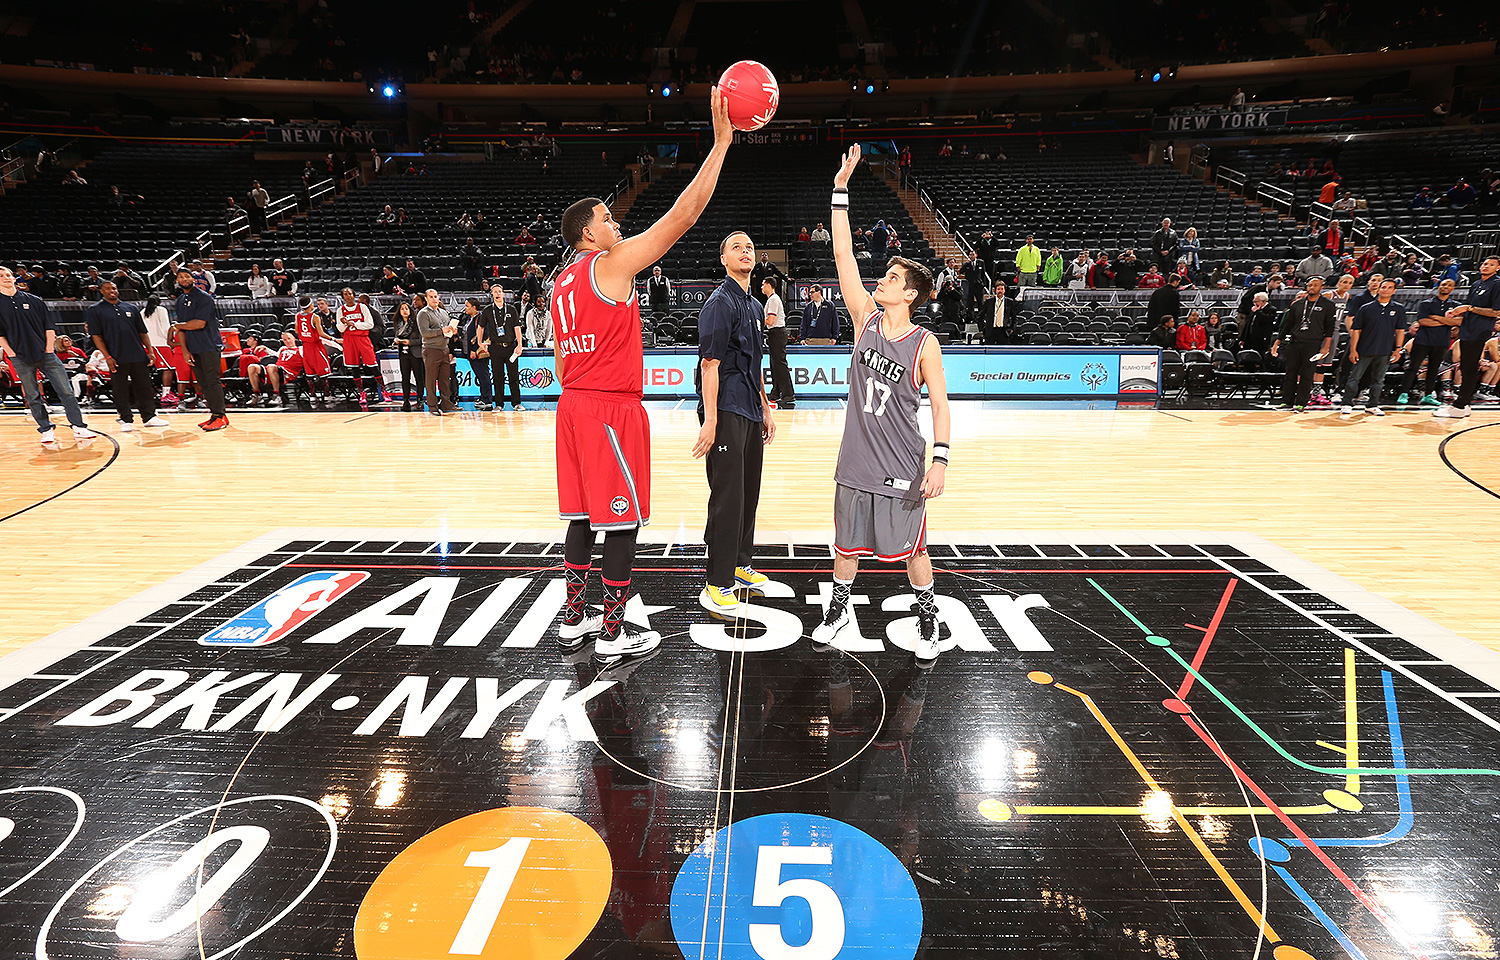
(723, 129)
(846, 169)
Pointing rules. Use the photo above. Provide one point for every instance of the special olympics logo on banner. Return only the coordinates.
(538, 379)
(1094, 375)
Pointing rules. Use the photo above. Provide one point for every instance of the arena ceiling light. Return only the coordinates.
(388, 88)
(663, 90)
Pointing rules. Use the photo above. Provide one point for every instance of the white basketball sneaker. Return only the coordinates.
(631, 643)
(834, 621)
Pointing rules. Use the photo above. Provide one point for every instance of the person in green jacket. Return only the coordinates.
(1052, 273)
(1028, 262)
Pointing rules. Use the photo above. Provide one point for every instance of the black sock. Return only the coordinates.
(926, 602)
(840, 598)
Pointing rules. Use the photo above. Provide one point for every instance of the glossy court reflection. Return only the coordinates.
(365, 744)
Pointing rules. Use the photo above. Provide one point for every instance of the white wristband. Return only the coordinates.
(840, 199)
(940, 453)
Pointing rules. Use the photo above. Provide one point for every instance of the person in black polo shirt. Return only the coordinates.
(1306, 337)
(1434, 336)
(736, 417)
(1375, 339)
(1477, 325)
(28, 336)
(197, 329)
(120, 334)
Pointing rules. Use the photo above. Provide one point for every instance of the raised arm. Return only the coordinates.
(857, 299)
(617, 269)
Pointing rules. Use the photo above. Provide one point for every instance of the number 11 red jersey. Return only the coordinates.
(600, 337)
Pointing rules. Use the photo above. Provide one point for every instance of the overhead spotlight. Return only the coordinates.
(1156, 76)
(653, 89)
(1140, 75)
(667, 89)
(390, 89)
(1172, 73)
(869, 86)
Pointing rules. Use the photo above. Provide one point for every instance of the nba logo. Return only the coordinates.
(285, 610)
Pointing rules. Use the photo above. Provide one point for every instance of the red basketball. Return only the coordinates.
(752, 92)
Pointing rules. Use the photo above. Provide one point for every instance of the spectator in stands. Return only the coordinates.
(389, 284)
(131, 285)
(1127, 270)
(880, 236)
(1315, 264)
(1164, 334)
(1430, 343)
(1446, 269)
(1052, 269)
(197, 329)
(903, 164)
(1330, 191)
(1476, 327)
(820, 234)
(74, 179)
(408, 341)
(820, 321)
(763, 270)
(28, 340)
(988, 249)
(659, 292)
(1260, 323)
(1460, 195)
(386, 217)
(524, 238)
(41, 285)
(1256, 277)
(1164, 300)
(1101, 273)
(1213, 329)
(803, 236)
(1152, 279)
(1164, 246)
(1422, 200)
(401, 217)
(1412, 272)
(415, 280)
(437, 329)
(532, 282)
(1028, 262)
(1375, 338)
(1222, 276)
(469, 258)
(203, 275)
(465, 223)
(944, 152)
(1191, 334)
(89, 284)
(999, 316)
(69, 287)
(1345, 204)
(257, 202)
(233, 211)
(1390, 265)
(260, 285)
(1305, 337)
(1237, 102)
(284, 280)
(1275, 172)
(861, 244)
(976, 282)
(948, 290)
(1275, 282)
(1183, 276)
(1332, 239)
(1078, 270)
(1190, 249)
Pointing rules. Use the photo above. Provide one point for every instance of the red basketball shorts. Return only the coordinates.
(603, 460)
(358, 352)
(315, 361)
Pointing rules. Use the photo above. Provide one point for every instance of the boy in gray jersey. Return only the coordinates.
(880, 506)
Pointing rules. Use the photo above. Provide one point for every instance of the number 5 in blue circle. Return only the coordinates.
(791, 886)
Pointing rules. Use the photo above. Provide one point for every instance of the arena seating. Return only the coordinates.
(1098, 200)
(340, 244)
(1386, 172)
(184, 189)
(771, 194)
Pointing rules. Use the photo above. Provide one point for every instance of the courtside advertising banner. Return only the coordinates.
(1080, 373)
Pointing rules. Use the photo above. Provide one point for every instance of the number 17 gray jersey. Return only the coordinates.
(883, 450)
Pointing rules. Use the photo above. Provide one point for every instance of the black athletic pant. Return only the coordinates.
(210, 386)
(734, 463)
(1296, 386)
(505, 368)
(133, 381)
(413, 375)
(1469, 354)
(781, 374)
(1434, 355)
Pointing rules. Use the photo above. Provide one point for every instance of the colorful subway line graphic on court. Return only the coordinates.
(367, 744)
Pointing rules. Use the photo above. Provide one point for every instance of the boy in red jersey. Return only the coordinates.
(314, 354)
(355, 321)
(288, 366)
(253, 368)
(603, 436)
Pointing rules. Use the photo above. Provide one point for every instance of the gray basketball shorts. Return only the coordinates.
(873, 525)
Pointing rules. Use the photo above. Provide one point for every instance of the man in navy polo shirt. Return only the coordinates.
(28, 338)
(1434, 332)
(1477, 325)
(736, 417)
(120, 334)
(197, 329)
(1375, 339)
